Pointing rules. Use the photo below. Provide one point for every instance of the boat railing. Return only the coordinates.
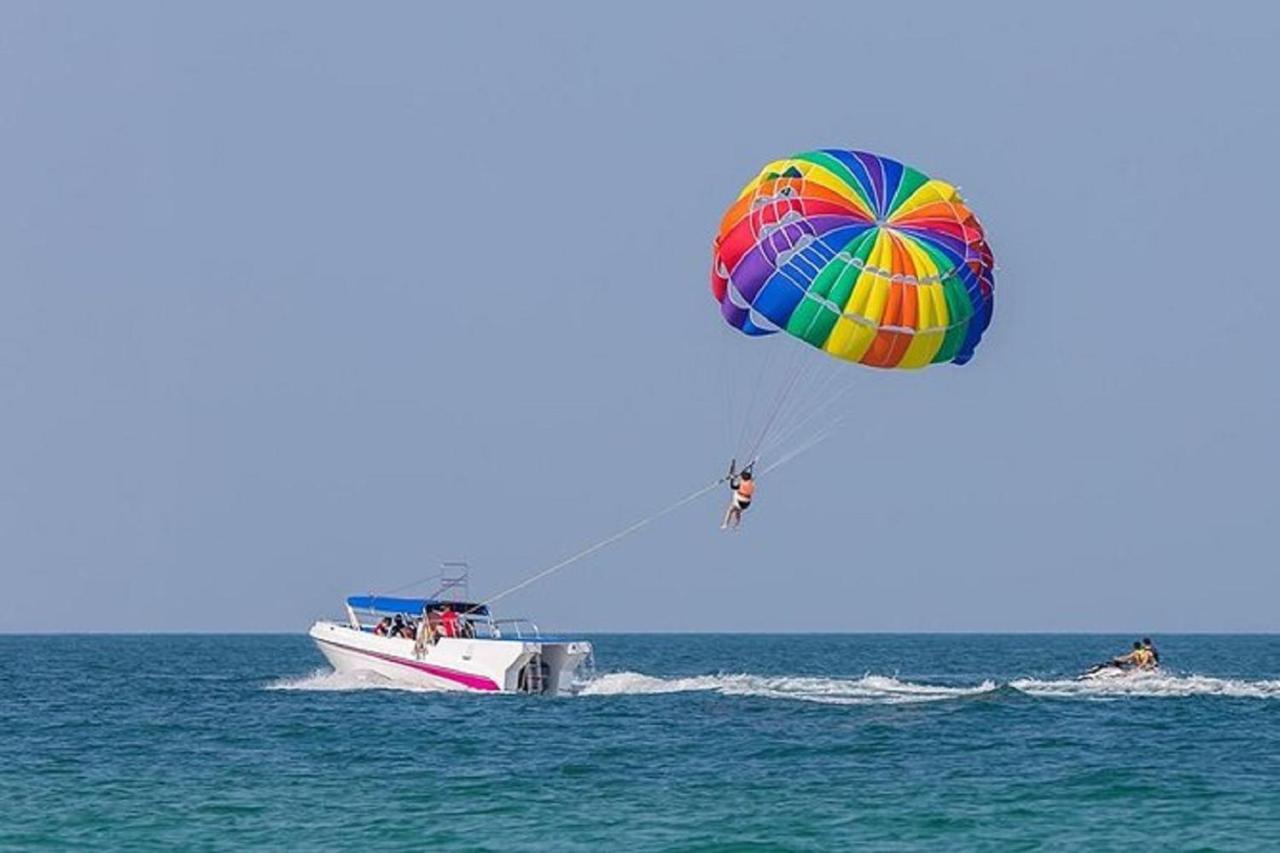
(523, 629)
(482, 628)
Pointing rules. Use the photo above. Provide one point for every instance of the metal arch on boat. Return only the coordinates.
(858, 255)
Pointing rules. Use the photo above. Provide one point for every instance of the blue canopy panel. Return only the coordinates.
(415, 606)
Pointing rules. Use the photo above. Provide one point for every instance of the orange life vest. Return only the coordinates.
(746, 489)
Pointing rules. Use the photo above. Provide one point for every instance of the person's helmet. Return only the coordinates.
(1146, 641)
(746, 474)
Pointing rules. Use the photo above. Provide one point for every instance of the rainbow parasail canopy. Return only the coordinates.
(863, 257)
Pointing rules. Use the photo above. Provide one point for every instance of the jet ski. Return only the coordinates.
(1112, 670)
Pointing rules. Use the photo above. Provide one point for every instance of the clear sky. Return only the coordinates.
(297, 299)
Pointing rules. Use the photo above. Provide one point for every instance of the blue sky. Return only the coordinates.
(298, 299)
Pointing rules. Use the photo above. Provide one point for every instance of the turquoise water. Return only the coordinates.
(701, 742)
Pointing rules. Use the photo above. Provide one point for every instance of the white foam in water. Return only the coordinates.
(869, 689)
(1148, 684)
(326, 680)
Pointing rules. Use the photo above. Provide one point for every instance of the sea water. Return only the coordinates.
(681, 742)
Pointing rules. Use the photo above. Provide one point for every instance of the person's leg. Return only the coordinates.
(728, 514)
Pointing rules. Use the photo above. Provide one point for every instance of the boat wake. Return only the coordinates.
(869, 689)
(328, 681)
(1158, 684)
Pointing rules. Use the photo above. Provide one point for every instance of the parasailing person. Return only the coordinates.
(743, 488)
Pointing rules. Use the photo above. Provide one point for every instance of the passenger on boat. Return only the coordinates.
(1139, 658)
(1129, 659)
(448, 621)
(422, 637)
(383, 628)
(409, 630)
(1155, 653)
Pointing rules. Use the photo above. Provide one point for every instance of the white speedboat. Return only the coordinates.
(449, 645)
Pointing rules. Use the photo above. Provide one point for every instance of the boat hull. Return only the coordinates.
(474, 665)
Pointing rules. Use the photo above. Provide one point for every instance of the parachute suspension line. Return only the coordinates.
(803, 448)
(803, 391)
(608, 540)
(725, 379)
(790, 377)
(749, 418)
(812, 396)
(791, 431)
(731, 392)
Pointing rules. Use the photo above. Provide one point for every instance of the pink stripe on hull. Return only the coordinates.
(475, 682)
